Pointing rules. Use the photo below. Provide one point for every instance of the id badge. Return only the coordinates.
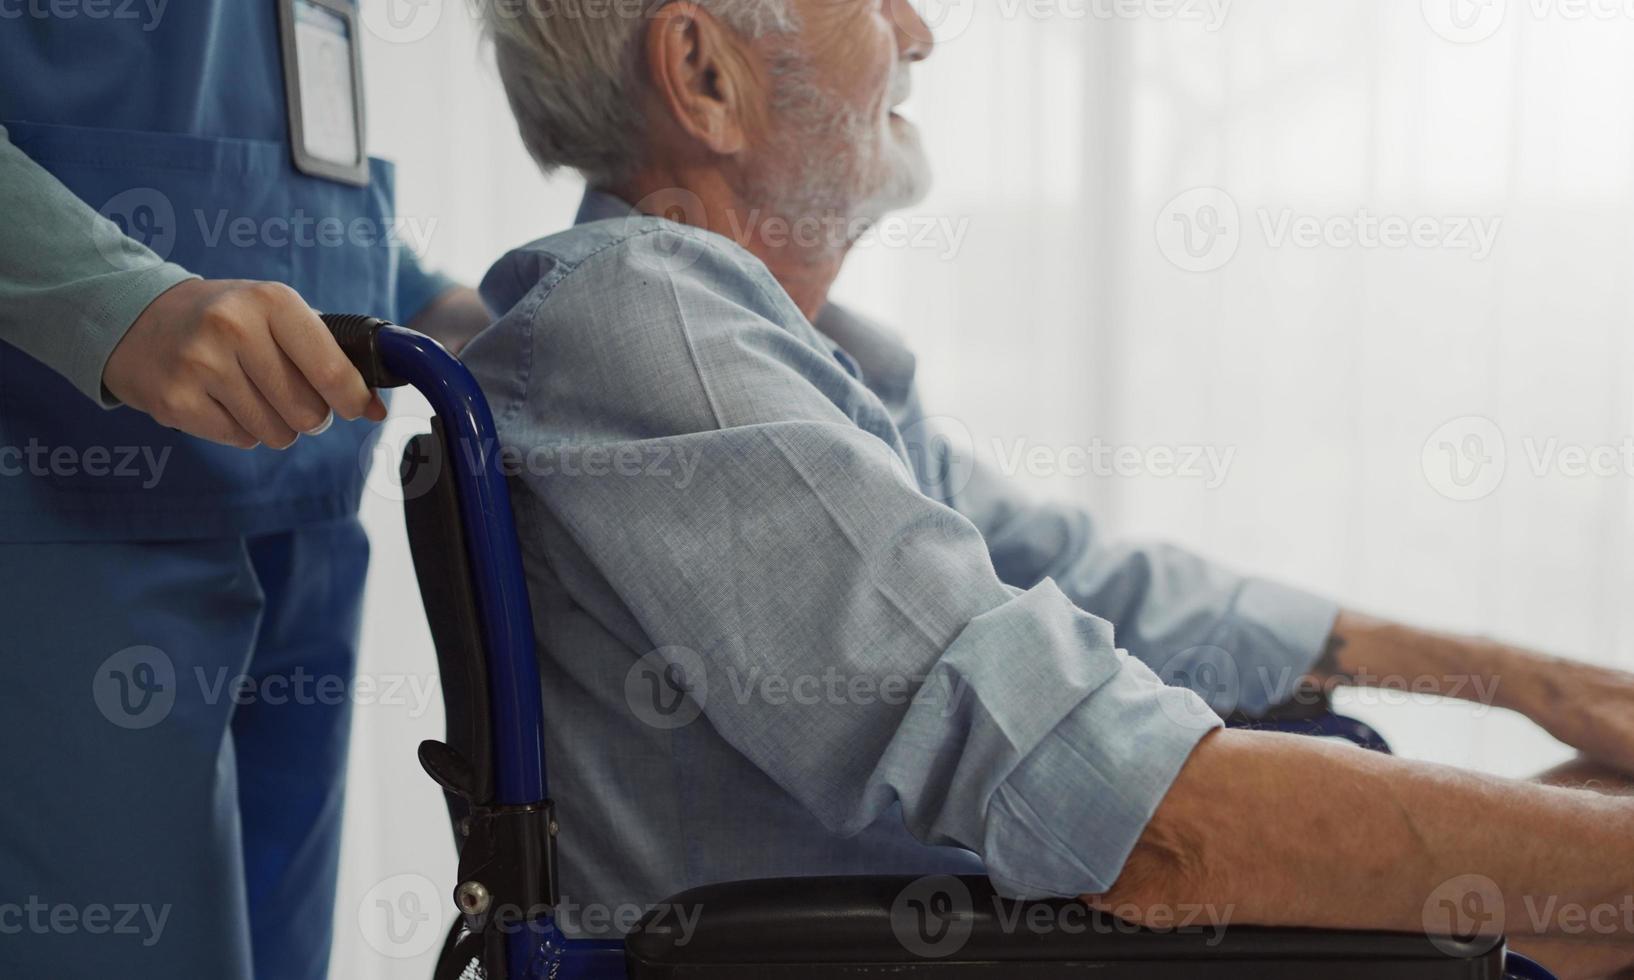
(323, 88)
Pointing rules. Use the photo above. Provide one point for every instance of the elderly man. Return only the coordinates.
(887, 670)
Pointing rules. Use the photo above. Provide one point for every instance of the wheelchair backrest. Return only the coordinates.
(438, 543)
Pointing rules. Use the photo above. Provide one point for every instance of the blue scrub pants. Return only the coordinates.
(176, 717)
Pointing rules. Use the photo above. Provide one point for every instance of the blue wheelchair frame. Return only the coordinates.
(390, 356)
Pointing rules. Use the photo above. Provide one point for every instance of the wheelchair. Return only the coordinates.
(492, 769)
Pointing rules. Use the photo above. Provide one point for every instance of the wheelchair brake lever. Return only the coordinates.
(452, 771)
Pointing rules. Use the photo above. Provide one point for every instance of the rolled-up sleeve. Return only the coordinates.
(793, 541)
(1242, 643)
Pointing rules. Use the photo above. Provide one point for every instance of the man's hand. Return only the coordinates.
(239, 363)
(1588, 708)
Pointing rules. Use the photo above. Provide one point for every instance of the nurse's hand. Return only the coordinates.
(236, 362)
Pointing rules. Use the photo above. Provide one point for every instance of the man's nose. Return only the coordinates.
(914, 39)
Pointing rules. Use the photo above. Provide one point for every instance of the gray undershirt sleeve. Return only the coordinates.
(71, 283)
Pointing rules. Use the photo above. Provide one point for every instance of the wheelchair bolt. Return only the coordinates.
(472, 897)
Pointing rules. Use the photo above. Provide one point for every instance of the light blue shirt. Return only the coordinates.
(894, 665)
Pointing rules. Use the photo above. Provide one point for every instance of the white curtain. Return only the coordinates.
(1335, 291)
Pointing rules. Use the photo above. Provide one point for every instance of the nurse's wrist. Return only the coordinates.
(112, 320)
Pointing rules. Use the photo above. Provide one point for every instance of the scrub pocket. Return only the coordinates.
(224, 209)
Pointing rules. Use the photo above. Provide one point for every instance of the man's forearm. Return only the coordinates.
(1287, 831)
(1588, 707)
(1371, 652)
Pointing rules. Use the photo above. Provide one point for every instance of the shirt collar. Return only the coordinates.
(599, 206)
(885, 362)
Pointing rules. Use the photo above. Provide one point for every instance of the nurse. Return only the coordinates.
(182, 454)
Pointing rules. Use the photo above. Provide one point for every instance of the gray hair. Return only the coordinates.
(570, 72)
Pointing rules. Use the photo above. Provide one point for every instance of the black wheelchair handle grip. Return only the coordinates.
(356, 333)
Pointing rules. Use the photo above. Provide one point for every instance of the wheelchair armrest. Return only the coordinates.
(810, 928)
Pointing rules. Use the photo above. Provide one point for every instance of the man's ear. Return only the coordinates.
(704, 77)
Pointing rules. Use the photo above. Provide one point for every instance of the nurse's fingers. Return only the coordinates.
(283, 385)
(207, 419)
(312, 348)
(251, 410)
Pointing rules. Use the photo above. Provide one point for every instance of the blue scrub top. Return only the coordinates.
(176, 125)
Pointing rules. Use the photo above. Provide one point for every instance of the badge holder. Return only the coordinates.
(323, 89)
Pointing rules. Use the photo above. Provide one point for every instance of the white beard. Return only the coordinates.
(837, 161)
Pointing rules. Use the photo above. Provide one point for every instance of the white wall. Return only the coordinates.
(1060, 320)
